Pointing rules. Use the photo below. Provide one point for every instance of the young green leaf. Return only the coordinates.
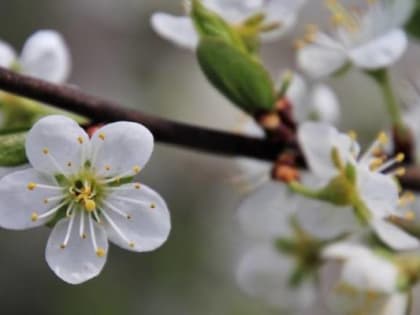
(235, 74)
(12, 149)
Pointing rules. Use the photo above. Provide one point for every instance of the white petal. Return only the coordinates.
(394, 236)
(381, 52)
(284, 12)
(119, 147)
(378, 191)
(325, 220)
(45, 55)
(325, 104)
(297, 93)
(7, 54)
(263, 273)
(149, 224)
(53, 145)
(317, 141)
(18, 203)
(370, 273)
(345, 250)
(396, 305)
(265, 213)
(78, 261)
(177, 29)
(317, 61)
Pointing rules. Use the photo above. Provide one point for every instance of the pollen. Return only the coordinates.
(32, 186)
(376, 163)
(131, 244)
(136, 169)
(137, 186)
(45, 151)
(383, 138)
(80, 139)
(100, 252)
(400, 171)
(352, 134)
(101, 136)
(69, 164)
(400, 157)
(152, 205)
(34, 217)
(90, 205)
(46, 200)
(410, 216)
(62, 246)
(107, 167)
(299, 44)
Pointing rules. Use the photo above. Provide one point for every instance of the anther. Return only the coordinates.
(69, 164)
(137, 186)
(352, 134)
(136, 169)
(80, 139)
(410, 216)
(400, 171)
(32, 186)
(383, 138)
(101, 136)
(90, 205)
(62, 246)
(45, 151)
(34, 217)
(100, 252)
(131, 244)
(46, 200)
(107, 167)
(84, 236)
(400, 157)
(152, 205)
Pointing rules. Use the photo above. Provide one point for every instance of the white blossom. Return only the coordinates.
(180, 29)
(368, 282)
(85, 184)
(44, 55)
(370, 40)
(375, 192)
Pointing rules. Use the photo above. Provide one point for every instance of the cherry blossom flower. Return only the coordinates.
(361, 181)
(280, 13)
(368, 283)
(84, 188)
(370, 40)
(44, 55)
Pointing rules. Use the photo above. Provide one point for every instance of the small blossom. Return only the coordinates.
(280, 16)
(361, 181)
(371, 39)
(368, 282)
(44, 55)
(84, 185)
(264, 272)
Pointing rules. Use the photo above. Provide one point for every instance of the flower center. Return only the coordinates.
(84, 194)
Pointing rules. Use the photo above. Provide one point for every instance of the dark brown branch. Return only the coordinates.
(166, 131)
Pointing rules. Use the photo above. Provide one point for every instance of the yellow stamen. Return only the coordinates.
(376, 163)
(32, 186)
(34, 217)
(299, 44)
(107, 167)
(400, 157)
(383, 138)
(410, 216)
(90, 205)
(136, 169)
(100, 252)
(80, 139)
(152, 205)
(400, 171)
(137, 186)
(132, 245)
(101, 136)
(45, 151)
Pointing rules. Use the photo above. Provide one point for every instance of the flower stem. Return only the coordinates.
(383, 79)
(303, 190)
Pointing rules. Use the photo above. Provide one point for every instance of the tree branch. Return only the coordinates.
(165, 131)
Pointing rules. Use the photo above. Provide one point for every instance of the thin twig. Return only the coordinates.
(166, 131)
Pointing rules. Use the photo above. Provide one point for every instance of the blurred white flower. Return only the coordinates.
(264, 272)
(368, 283)
(180, 29)
(44, 55)
(313, 102)
(371, 39)
(374, 193)
(84, 185)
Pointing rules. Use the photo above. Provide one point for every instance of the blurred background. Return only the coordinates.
(116, 55)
